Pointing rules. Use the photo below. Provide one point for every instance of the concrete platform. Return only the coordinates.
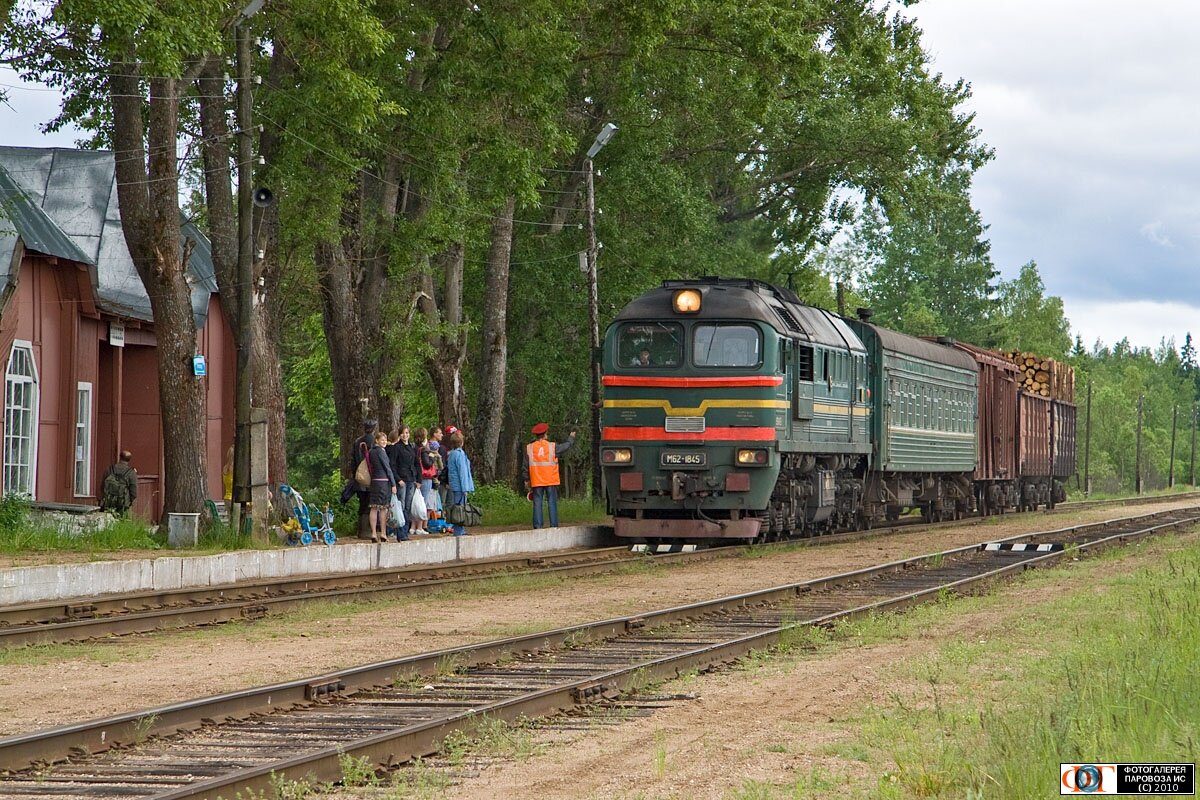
(65, 581)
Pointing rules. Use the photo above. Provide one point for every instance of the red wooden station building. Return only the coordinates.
(77, 336)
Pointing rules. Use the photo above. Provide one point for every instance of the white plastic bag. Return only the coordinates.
(433, 501)
(418, 507)
(396, 514)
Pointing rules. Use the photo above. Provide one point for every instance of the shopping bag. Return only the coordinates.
(419, 511)
(396, 514)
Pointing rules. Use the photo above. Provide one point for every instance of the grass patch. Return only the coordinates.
(22, 530)
(1103, 675)
(503, 506)
(492, 738)
(815, 782)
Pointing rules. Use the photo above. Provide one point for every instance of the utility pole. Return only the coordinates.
(1192, 470)
(602, 138)
(1171, 468)
(1087, 447)
(1137, 463)
(245, 268)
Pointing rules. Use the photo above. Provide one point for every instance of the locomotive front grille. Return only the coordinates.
(685, 425)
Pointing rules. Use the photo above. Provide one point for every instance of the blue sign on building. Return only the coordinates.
(199, 366)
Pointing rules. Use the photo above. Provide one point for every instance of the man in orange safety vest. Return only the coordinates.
(541, 471)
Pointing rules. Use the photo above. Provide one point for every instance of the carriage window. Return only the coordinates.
(726, 346)
(650, 344)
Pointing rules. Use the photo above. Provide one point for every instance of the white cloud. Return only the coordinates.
(1092, 115)
(1156, 232)
(1145, 323)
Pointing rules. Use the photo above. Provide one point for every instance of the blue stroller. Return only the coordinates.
(308, 523)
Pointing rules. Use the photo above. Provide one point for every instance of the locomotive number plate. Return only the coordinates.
(683, 459)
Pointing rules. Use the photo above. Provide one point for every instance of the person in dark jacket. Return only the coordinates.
(117, 495)
(365, 441)
(403, 457)
(383, 486)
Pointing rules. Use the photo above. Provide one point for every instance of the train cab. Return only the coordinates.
(706, 401)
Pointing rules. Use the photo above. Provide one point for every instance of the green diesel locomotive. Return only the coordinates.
(734, 411)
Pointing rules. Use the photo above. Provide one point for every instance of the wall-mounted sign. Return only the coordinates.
(116, 334)
(199, 366)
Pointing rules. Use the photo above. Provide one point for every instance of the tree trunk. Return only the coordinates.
(345, 335)
(148, 197)
(268, 372)
(444, 313)
(268, 336)
(495, 344)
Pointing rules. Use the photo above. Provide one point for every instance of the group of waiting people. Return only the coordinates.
(432, 462)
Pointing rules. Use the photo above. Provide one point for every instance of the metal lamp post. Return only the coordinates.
(602, 138)
(245, 272)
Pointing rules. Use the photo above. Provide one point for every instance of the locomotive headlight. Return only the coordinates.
(752, 458)
(687, 301)
(616, 455)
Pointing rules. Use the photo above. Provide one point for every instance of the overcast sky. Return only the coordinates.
(1092, 110)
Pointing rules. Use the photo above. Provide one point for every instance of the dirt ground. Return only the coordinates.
(765, 725)
(45, 687)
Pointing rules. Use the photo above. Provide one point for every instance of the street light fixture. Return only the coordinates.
(602, 138)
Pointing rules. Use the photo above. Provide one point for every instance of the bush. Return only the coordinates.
(497, 497)
(14, 515)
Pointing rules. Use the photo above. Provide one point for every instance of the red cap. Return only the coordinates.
(540, 428)
(450, 429)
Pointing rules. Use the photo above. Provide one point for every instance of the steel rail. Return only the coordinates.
(83, 618)
(912, 584)
(80, 619)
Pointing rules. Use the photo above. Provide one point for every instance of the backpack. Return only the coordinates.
(115, 493)
(362, 474)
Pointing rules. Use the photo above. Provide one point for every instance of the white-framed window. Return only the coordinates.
(20, 420)
(83, 440)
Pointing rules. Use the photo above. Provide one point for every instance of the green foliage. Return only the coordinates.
(1118, 377)
(14, 514)
(1029, 320)
(498, 497)
(929, 268)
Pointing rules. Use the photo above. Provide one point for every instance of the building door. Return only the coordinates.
(20, 421)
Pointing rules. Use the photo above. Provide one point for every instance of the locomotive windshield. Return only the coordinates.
(650, 344)
(726, 346)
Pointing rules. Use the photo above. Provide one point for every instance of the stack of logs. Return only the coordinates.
(1045, 376)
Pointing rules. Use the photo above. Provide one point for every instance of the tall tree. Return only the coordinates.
(1031, 320)
(127, 72)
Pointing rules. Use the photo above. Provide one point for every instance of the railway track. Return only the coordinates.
(81, 619)
(393, 711)
(146, 612)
